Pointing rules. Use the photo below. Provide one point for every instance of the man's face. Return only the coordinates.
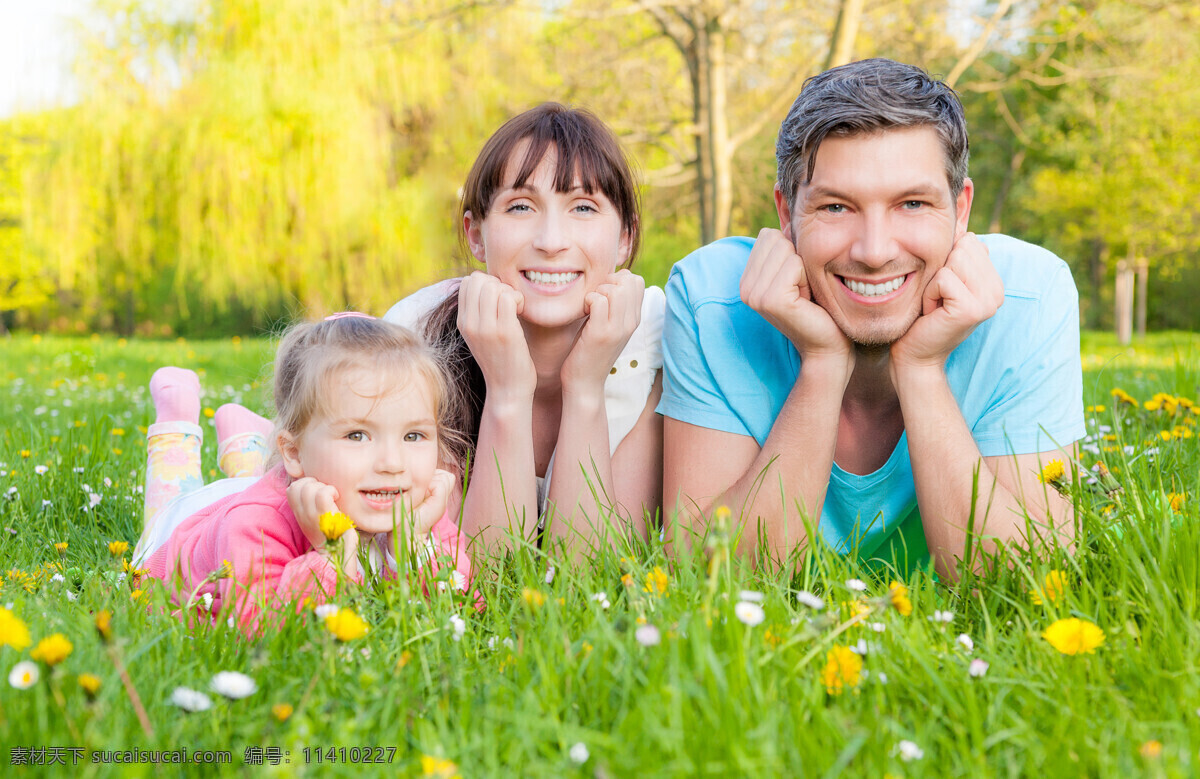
(873, 226)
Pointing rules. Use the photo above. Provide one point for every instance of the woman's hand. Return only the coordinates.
(488, 311)
(309, 499)
(614, 311)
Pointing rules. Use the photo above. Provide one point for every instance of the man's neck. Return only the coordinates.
(870, 423)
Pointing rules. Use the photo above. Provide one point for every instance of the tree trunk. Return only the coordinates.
(718, 133)
(1124, 302)
(1143, 282)
(1010, 175)
(1097, 265)
(845, 30)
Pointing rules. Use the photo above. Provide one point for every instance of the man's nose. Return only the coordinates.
(875, 244)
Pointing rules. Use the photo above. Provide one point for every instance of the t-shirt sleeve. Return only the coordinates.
(1041, 406)
(691, 392)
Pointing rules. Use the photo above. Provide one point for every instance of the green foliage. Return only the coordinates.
(548, 665)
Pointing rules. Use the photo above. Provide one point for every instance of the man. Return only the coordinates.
(857, 365)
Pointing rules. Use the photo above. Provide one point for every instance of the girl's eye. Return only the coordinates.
(414, 437)
(357, 435)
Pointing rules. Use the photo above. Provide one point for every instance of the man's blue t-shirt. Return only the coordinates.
(1017, 378)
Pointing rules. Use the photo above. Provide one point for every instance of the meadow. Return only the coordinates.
(632, 665)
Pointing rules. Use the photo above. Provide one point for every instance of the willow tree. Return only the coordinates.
(246, 157)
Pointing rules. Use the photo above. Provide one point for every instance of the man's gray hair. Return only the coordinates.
(866, 97)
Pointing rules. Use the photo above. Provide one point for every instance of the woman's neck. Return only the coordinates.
(549, 348)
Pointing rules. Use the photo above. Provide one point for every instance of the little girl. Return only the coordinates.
(360, 406)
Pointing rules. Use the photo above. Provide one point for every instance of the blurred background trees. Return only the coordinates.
(235, 162)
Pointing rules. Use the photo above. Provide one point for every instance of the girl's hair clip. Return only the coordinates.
(347, 315)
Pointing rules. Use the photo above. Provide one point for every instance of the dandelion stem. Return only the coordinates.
(62, 705)
(131, 691)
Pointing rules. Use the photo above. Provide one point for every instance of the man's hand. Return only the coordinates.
(614, 311)
(967, 290)
(774, 285)
(487, 318)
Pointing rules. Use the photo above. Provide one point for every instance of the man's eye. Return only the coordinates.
(913, 205)
(835, 208)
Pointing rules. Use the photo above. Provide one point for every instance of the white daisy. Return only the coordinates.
(647, 635)
(909, 751)
(858, 585)
(190, 700)
(458, 625)
(812, 601)
(23, 675)
(977, 668)
(579, 753)
(966, 642)
(233, 685)
(749, 613)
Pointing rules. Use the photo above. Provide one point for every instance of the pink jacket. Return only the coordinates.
(274, 565)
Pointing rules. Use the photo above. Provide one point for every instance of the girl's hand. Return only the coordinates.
(487, 318)
(613, 311)
(309, 499)
(433, 508)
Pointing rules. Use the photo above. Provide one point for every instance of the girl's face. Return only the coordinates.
(377, 447)
(552, 247)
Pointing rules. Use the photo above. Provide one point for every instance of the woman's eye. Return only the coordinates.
(517, 208)
(586, 208)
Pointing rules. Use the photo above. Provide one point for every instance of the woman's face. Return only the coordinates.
(552, 247)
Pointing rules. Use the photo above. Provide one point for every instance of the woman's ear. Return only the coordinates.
(625, 247)
(473, 229)
(289, 451)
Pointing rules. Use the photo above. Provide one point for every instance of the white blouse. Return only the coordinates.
(628, 384)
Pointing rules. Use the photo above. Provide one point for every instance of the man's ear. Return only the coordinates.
(289, 451)
(962, 208)
(785, 214)
(473, 229)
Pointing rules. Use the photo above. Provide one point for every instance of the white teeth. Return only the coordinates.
(389, 495)
(875, 290)
(537, 277)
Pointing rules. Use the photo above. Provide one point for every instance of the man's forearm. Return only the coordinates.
(945, 461)
(789, 477)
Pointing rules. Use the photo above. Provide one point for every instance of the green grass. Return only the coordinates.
(546, 666)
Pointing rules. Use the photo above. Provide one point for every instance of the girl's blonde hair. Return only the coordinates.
(312, 354)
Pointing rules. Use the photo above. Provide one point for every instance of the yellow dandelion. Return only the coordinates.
(1052, 473)
(118, 431)
(209, 413)
(657, 581)
(345, 625)
(439, 767)
(90, 684)
(104, 625)
(138, 595)
(1123, 397)
(405, 658)
(1074, 636)
(1151, 750)
(61, 547)
(1054, 586)
(773, 635)
(843, 668)
(585, 648)
(1176, 500)
(13, 631)
(334, 524)
(281, 711)
(898, 599)
(26, 454)
(533, 598)
(118, 548)
(627, 579)
(52, 650)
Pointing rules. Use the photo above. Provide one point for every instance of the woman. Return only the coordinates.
(559, 349)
